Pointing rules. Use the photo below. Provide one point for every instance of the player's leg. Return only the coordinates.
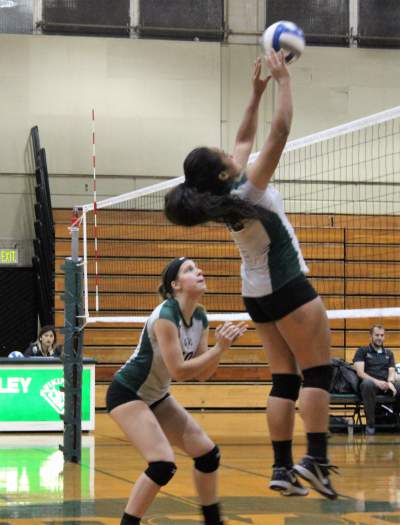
(281, 407)
(307, 334)
(184, 432)
(141, 427)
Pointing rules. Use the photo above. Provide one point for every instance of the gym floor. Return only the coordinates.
(36, 487)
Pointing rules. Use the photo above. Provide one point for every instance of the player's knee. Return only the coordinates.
(318, 377)
(286, 386)
(208, 462)
(161, 472)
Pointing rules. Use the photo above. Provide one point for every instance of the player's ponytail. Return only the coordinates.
(188, 207)
(205, 196)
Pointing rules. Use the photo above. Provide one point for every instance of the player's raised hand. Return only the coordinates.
(259, 84)
(277, 65)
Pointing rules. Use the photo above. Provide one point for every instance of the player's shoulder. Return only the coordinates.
(168, 310)
(201, 314)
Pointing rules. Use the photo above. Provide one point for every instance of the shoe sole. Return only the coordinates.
(286, 489)
(314, 481)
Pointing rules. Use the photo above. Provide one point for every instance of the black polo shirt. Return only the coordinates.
(377, 363)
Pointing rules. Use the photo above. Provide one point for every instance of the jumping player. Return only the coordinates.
(287, 312)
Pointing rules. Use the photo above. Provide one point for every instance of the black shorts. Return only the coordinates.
(282, 302)
(118, 394)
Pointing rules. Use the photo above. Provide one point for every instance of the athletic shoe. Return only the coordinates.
(317, 474)
(284, 480)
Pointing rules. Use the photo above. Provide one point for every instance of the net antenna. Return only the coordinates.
(96, 253)
(341, 192)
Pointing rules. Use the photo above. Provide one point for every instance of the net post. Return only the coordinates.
(73, 343)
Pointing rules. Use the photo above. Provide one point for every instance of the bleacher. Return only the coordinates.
(339, 250)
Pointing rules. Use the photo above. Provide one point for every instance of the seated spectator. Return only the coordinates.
(45, 345)
(376, 368)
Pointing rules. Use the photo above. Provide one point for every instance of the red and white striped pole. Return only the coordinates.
(95, 211)
(74, 231)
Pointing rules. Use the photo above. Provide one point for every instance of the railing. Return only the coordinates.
(44, 242)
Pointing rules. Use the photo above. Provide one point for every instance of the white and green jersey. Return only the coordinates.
(270, 251)
(145, 372)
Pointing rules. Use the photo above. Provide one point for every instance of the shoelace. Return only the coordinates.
(289, 472)
(329, 468)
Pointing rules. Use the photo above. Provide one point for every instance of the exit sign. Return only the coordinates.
(8, 256)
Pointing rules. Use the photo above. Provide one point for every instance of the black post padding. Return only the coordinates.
(73, 343)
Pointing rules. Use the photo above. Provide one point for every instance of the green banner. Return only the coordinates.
(33, 394)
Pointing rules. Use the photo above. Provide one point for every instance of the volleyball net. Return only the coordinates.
(341, 189)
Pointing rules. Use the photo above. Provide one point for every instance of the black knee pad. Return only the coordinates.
(286, 386)
(208, 462)
(160, 472)
(318, 377)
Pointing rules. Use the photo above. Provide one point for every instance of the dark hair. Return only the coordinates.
(168, 275)
(48, 328)
(204, 197)
(202, 168)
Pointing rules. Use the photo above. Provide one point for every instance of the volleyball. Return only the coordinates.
(284, 35)
(15, 355)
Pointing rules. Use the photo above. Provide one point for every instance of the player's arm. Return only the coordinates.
(247, 130)
(203, 347)
(170, 347)
(261, 171)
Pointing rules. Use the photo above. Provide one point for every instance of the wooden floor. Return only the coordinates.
(36, 488)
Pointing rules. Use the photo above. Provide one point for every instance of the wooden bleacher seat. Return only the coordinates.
(339, 253)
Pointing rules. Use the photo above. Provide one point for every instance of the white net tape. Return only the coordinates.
(350, 172)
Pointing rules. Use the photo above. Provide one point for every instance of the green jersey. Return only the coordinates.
(145, 372)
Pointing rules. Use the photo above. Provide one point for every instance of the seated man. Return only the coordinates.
(376, 368)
